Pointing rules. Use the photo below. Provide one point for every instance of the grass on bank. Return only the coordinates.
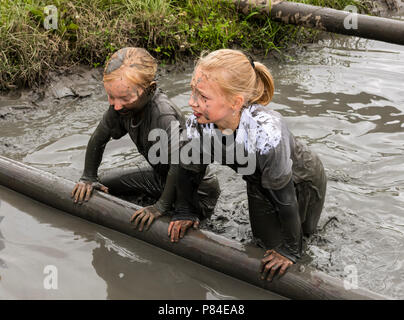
(89, 31)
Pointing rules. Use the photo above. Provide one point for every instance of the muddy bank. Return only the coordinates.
(385, 8)
(88, 33)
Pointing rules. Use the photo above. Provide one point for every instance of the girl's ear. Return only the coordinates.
(238, 103)
(151, 88)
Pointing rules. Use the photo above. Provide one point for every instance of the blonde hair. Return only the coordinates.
(239, 75)
(135, 64)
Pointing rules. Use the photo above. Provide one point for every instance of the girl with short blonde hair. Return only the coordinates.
(137, 107)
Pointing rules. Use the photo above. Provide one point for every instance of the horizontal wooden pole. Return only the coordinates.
(327, 19)
(211, 250)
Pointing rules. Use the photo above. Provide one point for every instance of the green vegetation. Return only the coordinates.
(336, 4)
(89, 31)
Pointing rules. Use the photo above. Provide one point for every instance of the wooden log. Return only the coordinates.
(211, 250)
(327, 19)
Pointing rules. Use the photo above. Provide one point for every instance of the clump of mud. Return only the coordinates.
(79, 82)
(21, 108)
(384, 8)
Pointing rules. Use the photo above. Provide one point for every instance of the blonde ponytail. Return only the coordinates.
(236, 74)
(265, 85)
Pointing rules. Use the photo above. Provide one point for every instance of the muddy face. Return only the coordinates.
(125, 96)
(208, 102)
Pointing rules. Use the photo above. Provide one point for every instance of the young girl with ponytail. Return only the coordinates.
(286, 189)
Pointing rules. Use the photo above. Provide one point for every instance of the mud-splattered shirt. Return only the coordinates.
(276, 163)
(264, 137)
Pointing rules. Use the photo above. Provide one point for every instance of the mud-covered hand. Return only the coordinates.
(272, 262)
(177, 228)
(83, 190)
(143, 215)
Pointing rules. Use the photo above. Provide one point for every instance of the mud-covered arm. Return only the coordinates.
(95, 150)
(188, 182)
(172, 128)
(167, 197)
(190, 174)
(288, 213)
(108, 127)
(276, 168)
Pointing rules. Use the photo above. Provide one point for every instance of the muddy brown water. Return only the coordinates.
(343, 96)
(93, 262)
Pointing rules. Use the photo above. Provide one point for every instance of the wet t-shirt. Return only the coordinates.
(262, 149)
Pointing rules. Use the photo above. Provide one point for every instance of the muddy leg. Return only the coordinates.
(311, 202)
(139, 181)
